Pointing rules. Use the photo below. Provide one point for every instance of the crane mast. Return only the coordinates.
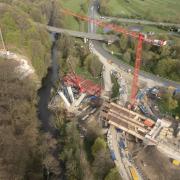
(134, 87)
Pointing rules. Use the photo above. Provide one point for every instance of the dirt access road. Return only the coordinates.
(156, 166)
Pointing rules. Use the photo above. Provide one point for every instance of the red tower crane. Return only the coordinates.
(141, 38)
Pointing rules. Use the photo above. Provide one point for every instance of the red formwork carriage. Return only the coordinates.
(83, 85)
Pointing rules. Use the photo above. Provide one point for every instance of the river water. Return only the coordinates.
(45, 91)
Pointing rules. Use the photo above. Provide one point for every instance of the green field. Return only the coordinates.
(79, 6)
(156, 10)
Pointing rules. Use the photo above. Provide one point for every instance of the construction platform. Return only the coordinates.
(86, 86)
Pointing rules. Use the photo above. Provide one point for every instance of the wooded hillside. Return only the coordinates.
(19, 137)
(21, 34)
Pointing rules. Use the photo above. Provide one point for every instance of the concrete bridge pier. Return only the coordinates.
(66, 102)
(85, 40)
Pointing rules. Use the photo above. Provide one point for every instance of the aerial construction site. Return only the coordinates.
(90, 89)
(132, 122)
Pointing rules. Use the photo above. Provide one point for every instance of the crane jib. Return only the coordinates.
(140, 36)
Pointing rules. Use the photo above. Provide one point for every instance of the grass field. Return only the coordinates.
(156, 10)
(87, 75)
(75, 6)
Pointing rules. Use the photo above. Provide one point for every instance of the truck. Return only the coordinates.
(143, 109)
(121, 144)
(113, 157)
(133, 173)
(154, 91)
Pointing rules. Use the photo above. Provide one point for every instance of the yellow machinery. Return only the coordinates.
(133, 173)
(176, 162)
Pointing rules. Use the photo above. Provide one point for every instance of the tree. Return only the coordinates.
(19, 126)
(168, 68)
(70, 154)
(113, 175)
(99, 145)
(176, 52)
(115, 88)
(47, 149)
(104, 7)
(93, 65)
(83, 52)
(102, 161)
(164, 51)
(127, 56)
(123, 42)
(101, 164)
(168, 102)
(64, 42)
(52, 165)
(84, 6)
(149, 60)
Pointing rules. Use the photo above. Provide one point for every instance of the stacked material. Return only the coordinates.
(166, 133)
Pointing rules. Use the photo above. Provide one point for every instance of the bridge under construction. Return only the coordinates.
(157, 133)
(92, 36)
(129, 121)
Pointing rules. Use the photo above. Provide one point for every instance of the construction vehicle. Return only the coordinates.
(141, 38)
(121, 144)
(176, 162)
(113, 157)
(143, 109)
(154, 91)
(149, 123)
(133, 173)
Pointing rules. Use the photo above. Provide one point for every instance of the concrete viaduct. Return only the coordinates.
(93, 36)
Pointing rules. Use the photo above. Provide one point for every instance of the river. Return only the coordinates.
(46, 116)
(45, 91)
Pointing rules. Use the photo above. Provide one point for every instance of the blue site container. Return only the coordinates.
(119, 130)
(121, 144)
(92, 97)
(113, 157)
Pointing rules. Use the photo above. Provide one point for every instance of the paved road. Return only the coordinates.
(106, 67)
(150, 79)
(93, 36)
(144, 22)
(119, 163)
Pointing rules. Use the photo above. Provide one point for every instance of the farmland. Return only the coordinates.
(79, 6)
(155, 10)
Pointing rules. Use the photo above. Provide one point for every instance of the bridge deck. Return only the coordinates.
(93, 36)
(125, 119)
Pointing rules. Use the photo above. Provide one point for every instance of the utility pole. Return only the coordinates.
(4, 47)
